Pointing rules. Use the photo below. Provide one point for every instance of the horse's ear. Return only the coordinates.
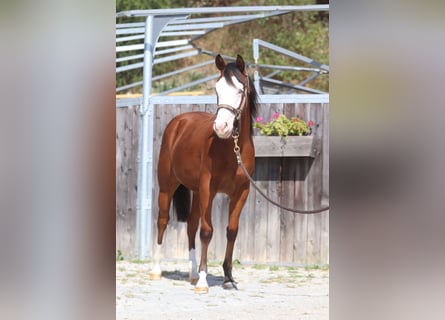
(220, 63)
(240, 63)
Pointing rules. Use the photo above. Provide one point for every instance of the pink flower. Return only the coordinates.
(259, 119)
(310, 123)
(275, 115)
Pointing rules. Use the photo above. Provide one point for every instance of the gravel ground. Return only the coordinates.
(265, 292)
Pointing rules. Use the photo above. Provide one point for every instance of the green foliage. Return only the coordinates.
(316, 267)
(306, 33)
(236, 262)
(283, 126)
(119, 255)
(123, 5)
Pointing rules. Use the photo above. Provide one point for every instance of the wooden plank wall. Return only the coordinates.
(127, 127)
(267, 234)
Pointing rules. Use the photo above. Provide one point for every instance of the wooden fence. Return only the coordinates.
(266, 234)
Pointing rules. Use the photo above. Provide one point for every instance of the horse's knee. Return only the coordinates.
(206, 234)
(231, 234)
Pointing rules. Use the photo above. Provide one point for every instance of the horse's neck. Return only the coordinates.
(245, 134)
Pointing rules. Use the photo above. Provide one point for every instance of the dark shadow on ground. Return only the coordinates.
(184, 276)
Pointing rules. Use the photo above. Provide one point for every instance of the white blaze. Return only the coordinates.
(229, 95)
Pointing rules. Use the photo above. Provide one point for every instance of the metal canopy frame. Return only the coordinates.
(178, 29)
(177, 41)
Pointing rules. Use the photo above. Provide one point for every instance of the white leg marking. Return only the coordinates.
(193, 266)
(155, 273)
(202, 286)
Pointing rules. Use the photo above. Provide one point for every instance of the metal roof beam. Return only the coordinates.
(130, 38)
(130, 25)
(128, 58)
(210, 10)
(161, 52)
(130, 67)
(195, 66)
(176, 56)
(130, 47)
(130, 31)
(183, 33)
(288, 85)
(242, 19)
(193, 26)
(216, 19)
(258, 42)
(129, 86)
(164, 44)
(291, 68)
(191, 84)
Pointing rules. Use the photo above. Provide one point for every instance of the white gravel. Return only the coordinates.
(265, 292)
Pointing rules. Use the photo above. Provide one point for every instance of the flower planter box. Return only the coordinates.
(293, 146)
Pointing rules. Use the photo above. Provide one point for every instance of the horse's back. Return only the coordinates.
(184, 126)
(201, 121)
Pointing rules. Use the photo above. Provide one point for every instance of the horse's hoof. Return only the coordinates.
(201, 289)
(153, 275)
(229, 285)
(194, 281)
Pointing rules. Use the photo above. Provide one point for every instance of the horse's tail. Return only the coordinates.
(181, 202)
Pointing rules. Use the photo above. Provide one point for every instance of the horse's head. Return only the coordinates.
(231, 91)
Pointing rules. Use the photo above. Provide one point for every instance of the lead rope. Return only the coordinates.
(236, 149)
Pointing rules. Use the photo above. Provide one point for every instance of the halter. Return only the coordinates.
(236, 111)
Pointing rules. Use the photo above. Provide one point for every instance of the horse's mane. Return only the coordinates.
(232, 69)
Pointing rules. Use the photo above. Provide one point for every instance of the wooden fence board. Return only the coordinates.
(266, 233)
(273, 212)
(300, 219)
(126, 179)
(261, 207)
(245, 244)
(287, 219)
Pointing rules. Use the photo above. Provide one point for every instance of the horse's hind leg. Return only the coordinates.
(167, 186)
(192, 227)
(164, 200)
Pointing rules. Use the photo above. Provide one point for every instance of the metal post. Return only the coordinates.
(256, 56)
(153, 28)
(145, 180)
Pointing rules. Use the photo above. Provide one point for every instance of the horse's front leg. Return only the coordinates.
(237, 202)
(206, 232)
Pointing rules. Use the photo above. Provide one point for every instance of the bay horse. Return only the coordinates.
(197, 156)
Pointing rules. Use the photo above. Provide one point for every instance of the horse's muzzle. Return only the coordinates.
(222, 130)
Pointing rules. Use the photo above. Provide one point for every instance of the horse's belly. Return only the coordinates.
(191, 181)
(187, 172)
